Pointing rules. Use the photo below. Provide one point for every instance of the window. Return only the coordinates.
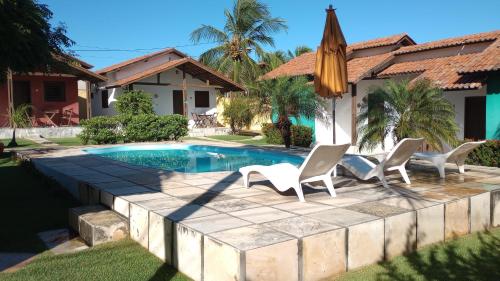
(54, 91)
(201, 99)
(104, 99)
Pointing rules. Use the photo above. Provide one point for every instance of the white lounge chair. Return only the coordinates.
(395, 160)
(318, 166)
(456, 156)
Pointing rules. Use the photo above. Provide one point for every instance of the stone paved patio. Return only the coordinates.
(211, 228)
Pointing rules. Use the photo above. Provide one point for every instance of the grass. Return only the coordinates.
(240, 139)
(21, 143)
(74, 141)
(33, 205)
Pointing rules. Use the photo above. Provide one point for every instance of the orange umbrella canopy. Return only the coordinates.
(330, 74)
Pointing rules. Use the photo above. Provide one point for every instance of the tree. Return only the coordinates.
(287, 97)
(134, 103)
(20, 119)
(238, 112)
(407, 110)
(299, 50)
(28, 38)
(248, 26)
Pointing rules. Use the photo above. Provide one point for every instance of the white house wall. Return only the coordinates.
(457, 98)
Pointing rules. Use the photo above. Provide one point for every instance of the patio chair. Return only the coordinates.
(396, 159)
(198, 122)
(456, 156)
(67, 116)
(318, 166)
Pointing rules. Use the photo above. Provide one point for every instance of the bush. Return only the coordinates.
(238, 113)
(488, 154)
(134, 103)
(301, 135)
(100, 130)
(150, 127)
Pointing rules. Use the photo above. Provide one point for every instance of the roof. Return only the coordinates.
(137, 59)
(450, 42)
(68, 66)
(442, 71)
(488, 60)
(193, 67)
(380, 42)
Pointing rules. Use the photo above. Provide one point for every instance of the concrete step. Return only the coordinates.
(97, 225)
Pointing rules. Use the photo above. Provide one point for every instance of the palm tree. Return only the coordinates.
(299, 50)
(403, 109)
(20, 119)
(287, 97)
(248, 26)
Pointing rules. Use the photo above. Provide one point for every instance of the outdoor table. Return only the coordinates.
(50, 114)
(207, 119)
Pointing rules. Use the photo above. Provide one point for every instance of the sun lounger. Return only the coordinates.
(318, 166)
(456, 156)
(365, 169)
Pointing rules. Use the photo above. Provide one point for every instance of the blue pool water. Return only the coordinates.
(194, 158)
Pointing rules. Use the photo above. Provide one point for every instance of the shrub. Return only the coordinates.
(134, 103)
(301, 135)
(238, 113)
(488, 154)
(273, 135)
(150, 127)
(100, 130)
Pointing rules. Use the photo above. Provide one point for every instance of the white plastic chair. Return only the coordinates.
(364, 169)
(318, 166)
(456, 156)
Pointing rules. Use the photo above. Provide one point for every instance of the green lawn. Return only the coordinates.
(31, 205)
(240, 139)
(75, 141)
(21, 143)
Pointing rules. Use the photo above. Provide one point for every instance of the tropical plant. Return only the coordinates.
(249, 25)
(134, 103)
(406, 109)
(238, 113)
(299, 50)
(287, 97)
(20, 119)
(31, 38)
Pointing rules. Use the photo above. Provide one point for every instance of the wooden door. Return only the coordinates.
(475, 118)
(22, 93)
(177, 100)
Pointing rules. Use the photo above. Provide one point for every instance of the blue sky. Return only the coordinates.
(150, 24)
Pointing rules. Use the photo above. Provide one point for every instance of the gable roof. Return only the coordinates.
(190, 66)
(137, 59)
(381, 42)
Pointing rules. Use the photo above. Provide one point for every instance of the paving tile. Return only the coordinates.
(301, 226)
(177, 192)
(457, 221)
(121, 204)
(185, 212)
(377, 209)
(343, 217)
(339, 201)
(113, 184)
(231, 205)
(200, 181)
(435, 196)
(220, 186)
(480, 208)
(271, 199)
(243, 192)
(161, 203)
(262, 214)
(166, 185)
(108, 195)
(459, 192)
(480, 185)
(207, 224)
(302, 208)
(491, 180)
(408, 202)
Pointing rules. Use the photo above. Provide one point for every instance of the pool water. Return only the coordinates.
(194, 158)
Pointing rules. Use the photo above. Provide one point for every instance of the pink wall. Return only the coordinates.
(38, 102)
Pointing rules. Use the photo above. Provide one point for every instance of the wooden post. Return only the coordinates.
(184, 93)
(354, 111)
(88, 100)
(10, 96)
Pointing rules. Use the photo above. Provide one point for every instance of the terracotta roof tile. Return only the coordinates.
(488, 60)
(379, 42)
(456, 41)
(133, 60)
(442, 71)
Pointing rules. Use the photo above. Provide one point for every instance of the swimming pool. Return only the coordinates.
(194, 158)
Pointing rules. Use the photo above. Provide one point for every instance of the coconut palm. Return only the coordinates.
(249, 25)
(299, 50)
(20, 119)
(287, 97)
(407, 109)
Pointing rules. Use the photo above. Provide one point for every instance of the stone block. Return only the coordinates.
(103, 227)
(83, 192)
(139, 224)
(495, 208)
(400, 234)
(75, 214)
(430, 225)
(121, 203)
(457, 221)
(480, 208)
(365, 244)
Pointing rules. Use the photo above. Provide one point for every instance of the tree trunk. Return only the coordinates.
(284, 125)
(13, 142)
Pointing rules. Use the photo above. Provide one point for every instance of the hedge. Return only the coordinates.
(136, 128)
(301, 135)
(487, 154)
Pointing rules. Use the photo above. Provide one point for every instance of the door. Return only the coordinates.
(178, 102)
(22, 93)
(475, 118)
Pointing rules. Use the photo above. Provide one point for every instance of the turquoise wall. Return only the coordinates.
(493, 107)
(302, 121)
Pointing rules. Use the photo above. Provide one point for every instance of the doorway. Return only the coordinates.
(22, 93)
(475, 118)
(178, 102)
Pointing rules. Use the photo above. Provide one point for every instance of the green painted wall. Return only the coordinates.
(493, 107)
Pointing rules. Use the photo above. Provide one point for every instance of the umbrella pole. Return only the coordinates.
(333, 121)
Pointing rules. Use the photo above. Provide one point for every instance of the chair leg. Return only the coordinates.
(300, 194)
(403, 173)
(383, 180)
(461, 166)
(329, 185)
(335, 171)
(246, 178)
(440, 168)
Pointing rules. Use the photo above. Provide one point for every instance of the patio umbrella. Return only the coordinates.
(330, 73)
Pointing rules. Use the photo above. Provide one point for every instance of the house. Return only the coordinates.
(178, 84)
(466, 68)
(53, 96)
